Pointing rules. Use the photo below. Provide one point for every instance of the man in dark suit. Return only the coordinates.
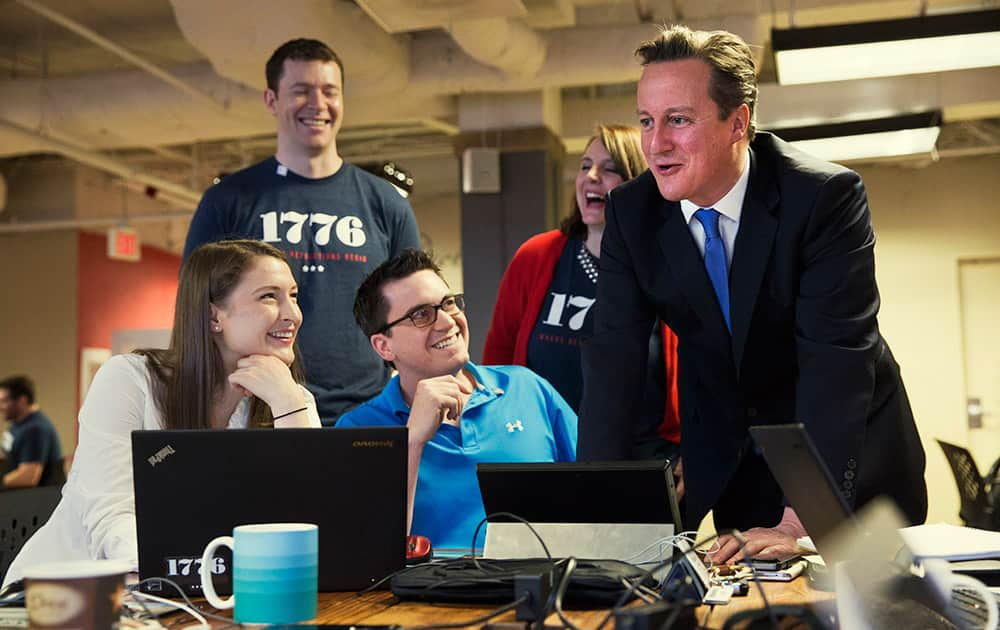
(761, 259)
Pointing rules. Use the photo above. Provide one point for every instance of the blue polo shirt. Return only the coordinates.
(514, 416)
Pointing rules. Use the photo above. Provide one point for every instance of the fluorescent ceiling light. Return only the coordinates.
(930, 43)
(910, 134)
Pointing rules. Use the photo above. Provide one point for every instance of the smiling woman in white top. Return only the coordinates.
(232, 363)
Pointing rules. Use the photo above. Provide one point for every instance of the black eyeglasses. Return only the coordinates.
(426, 314)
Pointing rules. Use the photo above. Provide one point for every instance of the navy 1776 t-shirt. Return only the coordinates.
(335, 230)
(564, 321)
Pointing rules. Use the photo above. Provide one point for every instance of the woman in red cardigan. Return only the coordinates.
(543, 307)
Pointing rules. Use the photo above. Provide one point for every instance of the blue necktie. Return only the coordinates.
(715, 258)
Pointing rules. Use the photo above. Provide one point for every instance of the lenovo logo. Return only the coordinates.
(373, 443)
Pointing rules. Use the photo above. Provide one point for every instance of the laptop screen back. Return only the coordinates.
(191, 486)
(585, 509)
(805, 480)
(582, 492)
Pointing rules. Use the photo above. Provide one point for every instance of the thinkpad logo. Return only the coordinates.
(161, 455)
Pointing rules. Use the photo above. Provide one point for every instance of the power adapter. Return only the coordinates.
(673, 615)
(537, 587)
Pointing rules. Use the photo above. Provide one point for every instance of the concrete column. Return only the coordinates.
(522, 128)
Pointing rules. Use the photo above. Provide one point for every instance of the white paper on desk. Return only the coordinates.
(13, 617)
(952, 542)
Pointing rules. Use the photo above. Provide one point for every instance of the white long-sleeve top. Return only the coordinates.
(96, 517)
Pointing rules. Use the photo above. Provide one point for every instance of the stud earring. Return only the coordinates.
(216, 328)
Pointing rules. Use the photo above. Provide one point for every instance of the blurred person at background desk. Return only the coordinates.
(32, 455)
(232, 364)
(543, 308)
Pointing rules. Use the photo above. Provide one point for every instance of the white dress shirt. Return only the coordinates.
(730, 207)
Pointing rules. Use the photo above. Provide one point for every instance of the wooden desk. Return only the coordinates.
(383, 608)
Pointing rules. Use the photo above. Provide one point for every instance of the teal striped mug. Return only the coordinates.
(275, 568)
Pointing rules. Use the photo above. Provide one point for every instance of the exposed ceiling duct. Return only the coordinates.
(572, 57)
(507, 44)
(238, 36)
(105, 43)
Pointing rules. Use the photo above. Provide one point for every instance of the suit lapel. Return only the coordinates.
(752, 251)
(686, 265)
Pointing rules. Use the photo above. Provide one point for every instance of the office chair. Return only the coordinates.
(55, 474)
(976, 509)
(22, 512)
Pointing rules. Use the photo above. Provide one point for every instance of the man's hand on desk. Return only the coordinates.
(763, 542)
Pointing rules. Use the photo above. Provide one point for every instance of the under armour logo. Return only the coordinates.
(514, 425)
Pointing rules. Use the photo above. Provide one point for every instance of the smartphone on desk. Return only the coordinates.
(773, 564)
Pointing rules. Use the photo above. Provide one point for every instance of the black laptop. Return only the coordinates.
(191, 486)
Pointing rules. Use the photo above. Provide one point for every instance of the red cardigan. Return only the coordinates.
(519, 299)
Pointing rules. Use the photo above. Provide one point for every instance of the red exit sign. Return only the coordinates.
(123, 244)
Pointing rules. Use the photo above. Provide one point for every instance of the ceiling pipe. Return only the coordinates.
(101, 162)
(125, 54)
(83, 224)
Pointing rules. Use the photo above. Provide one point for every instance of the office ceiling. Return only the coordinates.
(70, 84)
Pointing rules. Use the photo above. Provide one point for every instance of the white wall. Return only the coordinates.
(925, 219)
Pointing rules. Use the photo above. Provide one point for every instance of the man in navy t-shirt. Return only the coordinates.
(30, 444)
(334, 221)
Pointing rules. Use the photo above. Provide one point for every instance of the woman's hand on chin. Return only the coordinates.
(269, 379)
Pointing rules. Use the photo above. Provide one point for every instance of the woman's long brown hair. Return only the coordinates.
(189, 375)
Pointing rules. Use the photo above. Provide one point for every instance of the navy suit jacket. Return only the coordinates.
(805, 344)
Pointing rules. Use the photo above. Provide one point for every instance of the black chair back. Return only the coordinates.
(54, 474)
(975, 509)
(22, 512)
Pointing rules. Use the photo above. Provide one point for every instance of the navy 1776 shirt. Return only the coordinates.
(564, 321)
(334, 230)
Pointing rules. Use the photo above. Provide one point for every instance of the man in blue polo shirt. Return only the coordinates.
(458, 413)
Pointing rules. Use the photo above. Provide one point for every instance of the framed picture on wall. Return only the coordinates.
(91, 360)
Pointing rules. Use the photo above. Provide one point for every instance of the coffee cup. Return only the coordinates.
(84, 595)
(275, 570)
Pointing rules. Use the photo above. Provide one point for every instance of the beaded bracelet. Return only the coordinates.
(288, 413)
